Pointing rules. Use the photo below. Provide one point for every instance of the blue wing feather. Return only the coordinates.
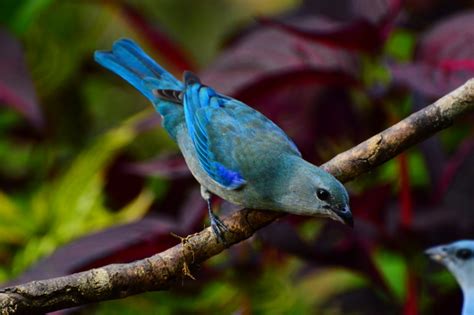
(199, 103)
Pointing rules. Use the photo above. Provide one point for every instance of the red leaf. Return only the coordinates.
(453, 167)
(343, 10)
(444, 59)
(411, 301)
(292, 78)
(359, 35)
(450, 39)
(431, 80)
(447, 215)
(406, 204)
(367, 32)
(158, 39)
(455, 65)
(370, 204)
(381, 13)
(16, 88)
(268, 52)
(167, 167)
(148, 122)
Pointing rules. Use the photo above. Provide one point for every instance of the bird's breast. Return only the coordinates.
(247, 196)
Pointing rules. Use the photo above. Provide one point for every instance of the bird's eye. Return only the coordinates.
(322, 194)
(464, 253)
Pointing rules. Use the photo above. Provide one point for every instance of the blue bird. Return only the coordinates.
(458, 257)
(232, 150)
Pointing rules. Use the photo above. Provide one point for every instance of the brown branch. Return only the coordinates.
(163, 270)
(413, 129)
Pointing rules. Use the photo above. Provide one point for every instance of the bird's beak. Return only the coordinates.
(437, 253)
(343, 215)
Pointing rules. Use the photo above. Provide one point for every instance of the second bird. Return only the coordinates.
(231, 149)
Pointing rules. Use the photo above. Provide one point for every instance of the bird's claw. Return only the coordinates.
(218, 227)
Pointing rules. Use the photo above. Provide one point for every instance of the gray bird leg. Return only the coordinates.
(218, 227)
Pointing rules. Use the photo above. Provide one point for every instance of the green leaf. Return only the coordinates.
(19, 15)
(394, 270)
(374, 73)
(400, 45)
(72, 204)
(137, 208)
(8, 209)
(77, 189)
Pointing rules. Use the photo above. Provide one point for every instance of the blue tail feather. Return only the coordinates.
(131, 63)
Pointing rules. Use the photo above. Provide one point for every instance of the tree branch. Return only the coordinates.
(162, 270)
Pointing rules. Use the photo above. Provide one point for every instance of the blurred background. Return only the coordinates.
(88, 177)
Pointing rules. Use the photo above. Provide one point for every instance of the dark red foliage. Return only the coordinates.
(373, 11)
(268, 52)
(358, 35)
(167, 167)
(148, 122)
(119, 195)
(453, 166)
(411, 302)
(362, 34)
(16, 88)
(159, 40)
(303, 76)
(447, 216)
(406, 204)
(335, 245)
(444, 58)
(371, 205)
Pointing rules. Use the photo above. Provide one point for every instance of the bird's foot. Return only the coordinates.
(218, 227)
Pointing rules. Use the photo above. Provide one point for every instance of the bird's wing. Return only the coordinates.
(201, 104)
(222, 129)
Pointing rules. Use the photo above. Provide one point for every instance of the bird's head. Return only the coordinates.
(312, 191)
(458, 257)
